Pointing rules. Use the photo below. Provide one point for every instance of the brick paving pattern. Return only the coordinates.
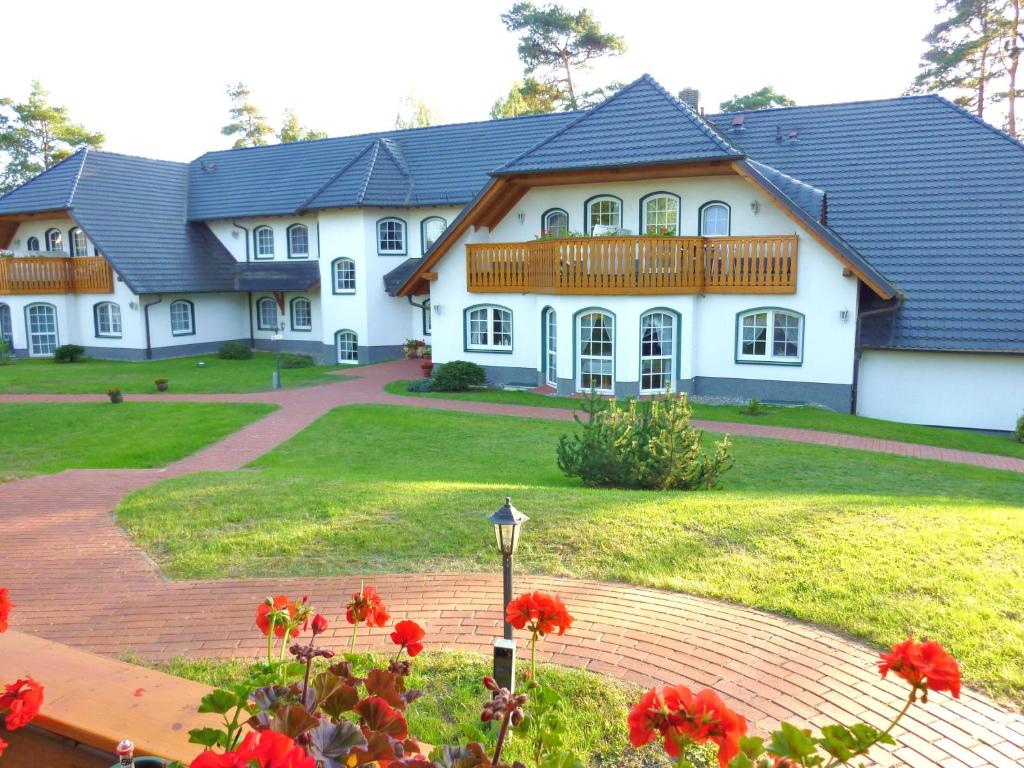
(78, 580)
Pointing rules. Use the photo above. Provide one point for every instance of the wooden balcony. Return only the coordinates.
(635, 265)
(55, 274)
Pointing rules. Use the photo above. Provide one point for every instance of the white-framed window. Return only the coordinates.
(6, 328)
(550, 347)
(489, 329)
(714, 220)
(32, 245)
(596, 355)
(603, 211)
(298, 242)
(266, 314)
(428, 320)
(183, 321)
(660, 214)
(657, 351)
(430, 230)
(54, 241)
(108, 319)
(391, 237)
(770, 335)
(77, 241)
(263, 238)
(41, 322)
(302, 314)
(348, 346)
(554, 223)
(344, 276)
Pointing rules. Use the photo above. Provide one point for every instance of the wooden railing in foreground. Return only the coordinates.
(635, 265)
(55, 274)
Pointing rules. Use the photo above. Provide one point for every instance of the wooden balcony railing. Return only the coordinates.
(635, 265)
(55, 274)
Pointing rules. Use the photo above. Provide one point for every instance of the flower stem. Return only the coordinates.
(910, 700)
(355, 626)
(309, 666)
(501, 737)
(270, 640)
(533, 658)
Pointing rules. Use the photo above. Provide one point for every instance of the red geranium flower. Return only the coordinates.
(5, 608)
(269, 749)
(926, 666)
(408, 635)
(281, 603)
(367, 606)
(319, 624)
(538, 612)
(3, 746)
(22, 700)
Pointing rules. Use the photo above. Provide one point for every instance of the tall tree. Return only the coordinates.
(1013, 45)
(531, 97)
(247, 122)
(36, 135)
(766, 98)
(556, 44)
(414, 113)
(292, 130)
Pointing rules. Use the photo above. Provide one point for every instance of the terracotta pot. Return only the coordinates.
(161, 386)
(427, 371)
(118, 398)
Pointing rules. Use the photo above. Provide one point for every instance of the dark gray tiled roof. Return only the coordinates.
(809, 199)
(610, 135)
(398, 276)
(931, 196)
(278, 276)
(377, 176)
(49, 191)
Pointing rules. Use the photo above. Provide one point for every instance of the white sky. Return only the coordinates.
(151, 75)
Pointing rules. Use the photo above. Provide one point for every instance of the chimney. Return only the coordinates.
(690, 97)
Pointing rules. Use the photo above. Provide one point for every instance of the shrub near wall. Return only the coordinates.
(457, 376)
(234, 350)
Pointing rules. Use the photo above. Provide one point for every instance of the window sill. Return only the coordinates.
(489, 350)
(790, 363)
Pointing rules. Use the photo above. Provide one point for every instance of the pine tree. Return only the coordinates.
(527, 98)
(292, 130)
(248, 123)
(415, 113)
(766, 98)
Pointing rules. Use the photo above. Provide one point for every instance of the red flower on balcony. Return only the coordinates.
(21, 700)
(539, 613)
(269, 749)
(367, 607)
(263, 615)
(408, 634)
(926, 666)
(5, 608)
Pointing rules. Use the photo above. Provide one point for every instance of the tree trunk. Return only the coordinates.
(1014, 61)
(982, 77)
(568, 81)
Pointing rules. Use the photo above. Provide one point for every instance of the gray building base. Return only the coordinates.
(836, 397)
(520, 377)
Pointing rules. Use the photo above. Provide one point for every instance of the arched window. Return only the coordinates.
(183, 318)
(659, 214)
(554, 223)
(391, 237)
(107, 319)
(603, 211)
(430, 230)
(32, 245)
(298, 241)
(714, 219)
(488, 329)
(344, 276)
(302, 314)
(658, 335)
(54, 241)
(595, 362)
(348, 346)
(41, 328)
(550, 325)
(263, 237)
(77, 242)
(266, 314)
(6, 328)
(770, 335)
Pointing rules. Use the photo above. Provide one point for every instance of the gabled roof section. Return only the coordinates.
(378, 176)
(51, 190)
(809, 199)
(642, 124)
(278, 276)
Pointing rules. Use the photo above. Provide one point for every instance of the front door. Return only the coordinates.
(550, 348)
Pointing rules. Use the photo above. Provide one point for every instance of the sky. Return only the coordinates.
(152, 75)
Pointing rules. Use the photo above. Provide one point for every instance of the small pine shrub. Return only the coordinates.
(68, 353)
(6, 358)
(234, 350)
(641, 444)
(754, 407)
(457, 376)
(421, 385)
(1019, 431)
(289, 360)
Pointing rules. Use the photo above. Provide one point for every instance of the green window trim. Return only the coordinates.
(405, 236)
(548, 212)
(478, 350)
(575, 345)
(191, 316)
(334, 277)
(423, 232)
(545, 313)
(288, 241)
(291, 314)
(428, 322)
(96, 308)
(588, 227)
(28, 328)
(676, 344)
(770, 327)
(48, 236)
(700, 217)
(259, 314)
(32, 244)
(642, 215)
(337, 346)
(256, 243)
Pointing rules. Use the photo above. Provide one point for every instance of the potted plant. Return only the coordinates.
(161, 385)
(427, 366)
(115, 395)
(413, 348)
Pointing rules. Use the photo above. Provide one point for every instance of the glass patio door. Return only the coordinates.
(551, 348)
(42, 329)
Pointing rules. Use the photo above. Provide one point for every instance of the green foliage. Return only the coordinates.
(1018, 433)
(36, 135)
(68, 353)
(291, 361)
(292, 130)
(530, 97)
(248, 123)
(234, 350)
(420, 385)
(6, 358)
(414, 113)
(457, 376)
(766, 98)
(642, 444)
(754, 407)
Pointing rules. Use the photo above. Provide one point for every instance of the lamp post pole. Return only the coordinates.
(508, 522)
(277, 354)
(506, 577)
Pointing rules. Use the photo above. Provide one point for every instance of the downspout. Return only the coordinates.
(246, 230)
(857, 347)
(422, 306)
(145, 313)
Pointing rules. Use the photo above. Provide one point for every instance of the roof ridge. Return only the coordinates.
(957, 108)
(855, 102)
(783, 173)
(185, 163)
(84, 152)
(697, 120)
(53, 167)
(323, 187)
(375, 151)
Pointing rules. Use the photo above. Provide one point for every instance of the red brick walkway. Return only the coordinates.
(77, 579)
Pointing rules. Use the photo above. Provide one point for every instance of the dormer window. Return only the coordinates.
(555, 223)
(714, 219)
(263, 237)
(79, 246)
(660, 213)
(32, 245)
(54, 241)
(603, 211)
(391, 237)
(431, 230)
(298, 242)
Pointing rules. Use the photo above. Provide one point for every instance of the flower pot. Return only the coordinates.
(427, 371)
(116, 398)
(161, 386)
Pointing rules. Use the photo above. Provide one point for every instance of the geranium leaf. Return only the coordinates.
(563, 760)
(219, 702)
(378, 747)
(378, 716)
(380, 682)
(342, 699)
(331, 743)
(293, 720)
(343, 669)
(269, 697)
(789, 741)
(208, 737)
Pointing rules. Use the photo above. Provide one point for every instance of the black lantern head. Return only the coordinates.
(508, 523)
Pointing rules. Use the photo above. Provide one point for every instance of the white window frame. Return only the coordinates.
(715, 205)
(274, 326)
(428, 319)
(747, 332)
(263, 243)
(293, 313)
(39, 344)
(425, 235)
(177, 328)
(54, 241)
(550, 347)
(616, 214)
(488, 327)
(586, 359)
(545, 223)
(108, 313)
(78, 242)
(338, 277)
(402, 238)
(349, 353)
(293, 253)
(665, 361)
(660, 197)
(7, 326)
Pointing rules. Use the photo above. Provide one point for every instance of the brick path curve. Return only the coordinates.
(78, 580)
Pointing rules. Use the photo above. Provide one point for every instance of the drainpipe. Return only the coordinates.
(246, 230)
(858, 351)
(145, 313)
(422, 306)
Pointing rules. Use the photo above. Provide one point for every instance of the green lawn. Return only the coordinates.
(869, 544)
(183, 374)
(449, 711)
(49, 437)
(804, 417)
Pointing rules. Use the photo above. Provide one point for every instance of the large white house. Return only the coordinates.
(866, 257)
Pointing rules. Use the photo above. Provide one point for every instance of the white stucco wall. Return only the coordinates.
(946, 389)
(37, 228)
(234, 237)
(218, 317)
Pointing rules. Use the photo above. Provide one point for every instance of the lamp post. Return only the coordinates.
(507, 523)
(277, 352)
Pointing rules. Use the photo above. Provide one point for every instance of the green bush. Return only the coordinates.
(68, 353)
(754, 407)
(234, 350)
(5, 353)
(290, 360)
(421, 385)
(457, 376)
(1019, 431)
(641, 444)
